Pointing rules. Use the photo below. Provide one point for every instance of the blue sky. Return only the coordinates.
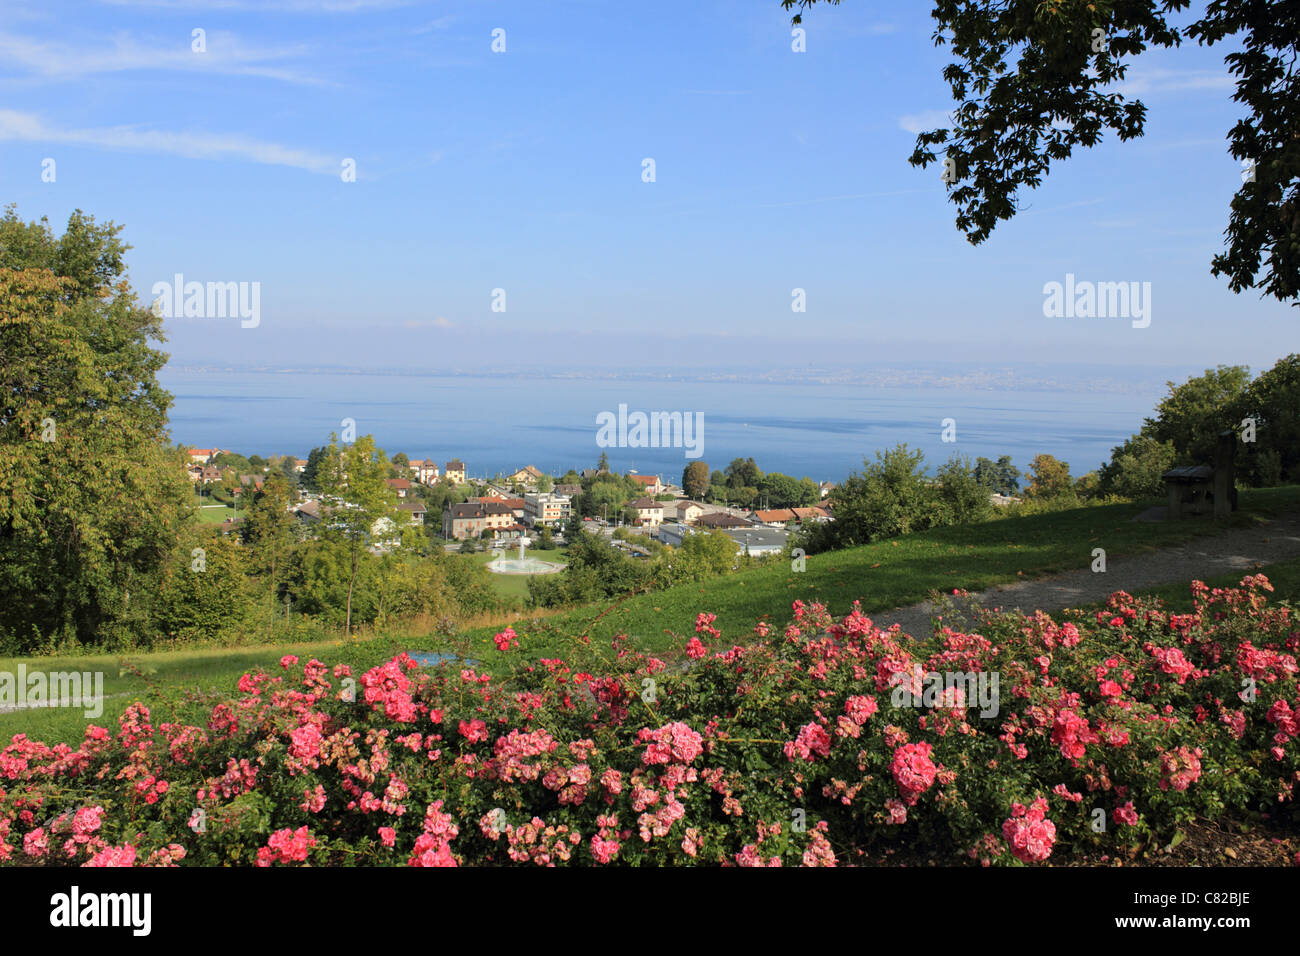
(522, 170)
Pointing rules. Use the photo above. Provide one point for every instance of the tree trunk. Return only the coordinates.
(356, 563)
(270, 602)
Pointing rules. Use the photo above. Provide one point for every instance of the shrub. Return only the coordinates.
(893, 497)
(203, 591)
(960, 496)
(822, 743)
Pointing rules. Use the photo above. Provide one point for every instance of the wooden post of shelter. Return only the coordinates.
(1225, 486)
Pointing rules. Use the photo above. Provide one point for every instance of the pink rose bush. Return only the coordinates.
(913, 771)
(777, 746)
(1029, 833)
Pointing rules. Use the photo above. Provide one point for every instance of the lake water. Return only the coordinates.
(501, 424)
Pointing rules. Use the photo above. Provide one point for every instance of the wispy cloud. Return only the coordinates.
(925, 121)
(288, 6)
(1144, 82)
(442, 23)
(28, 127)
(813, 201)
(441, 322)
(224, 54)
(850, 196)
(1030, 211)
(1202, 143)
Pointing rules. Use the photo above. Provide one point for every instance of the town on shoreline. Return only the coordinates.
(527, 502)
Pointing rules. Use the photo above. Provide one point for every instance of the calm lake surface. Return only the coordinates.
(501, 424)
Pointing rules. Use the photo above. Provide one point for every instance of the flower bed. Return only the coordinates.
(824, 743)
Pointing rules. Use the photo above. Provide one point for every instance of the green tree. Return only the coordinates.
(1191, 416)
(1272, 401)
(288, 467)
(1135, 468)
(469, 583)
(93, 498)
(961, 497)
(781, 491)
(1049, 478)
(268, 529)
(332, 583)
(203, 593)
(604, 498)
(230, 461)
(695, 479)
(596, 570)
(1033, 80)
(1088, 487)
(700, 557)
(809, 494)
(437, 499)
(743, 473)
(1000, 477)
(890, 497)
(353, 482)
(310, 476)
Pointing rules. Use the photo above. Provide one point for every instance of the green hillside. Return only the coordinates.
(885, 575)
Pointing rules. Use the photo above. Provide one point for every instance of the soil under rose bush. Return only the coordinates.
(816, 744)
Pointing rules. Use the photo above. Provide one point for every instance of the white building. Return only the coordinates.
(546, 508)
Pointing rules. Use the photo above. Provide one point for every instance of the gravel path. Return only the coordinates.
(1239, 550)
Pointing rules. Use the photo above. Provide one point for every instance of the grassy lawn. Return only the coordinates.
(516, 585)
(163, 679)
(214, 512)
(884, 575)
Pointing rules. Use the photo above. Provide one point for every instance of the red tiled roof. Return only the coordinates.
(803, 514)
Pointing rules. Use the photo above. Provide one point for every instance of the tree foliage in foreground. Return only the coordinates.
(92, 499)
(1034, 80)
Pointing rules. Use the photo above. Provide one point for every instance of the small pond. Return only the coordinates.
(434, 658)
